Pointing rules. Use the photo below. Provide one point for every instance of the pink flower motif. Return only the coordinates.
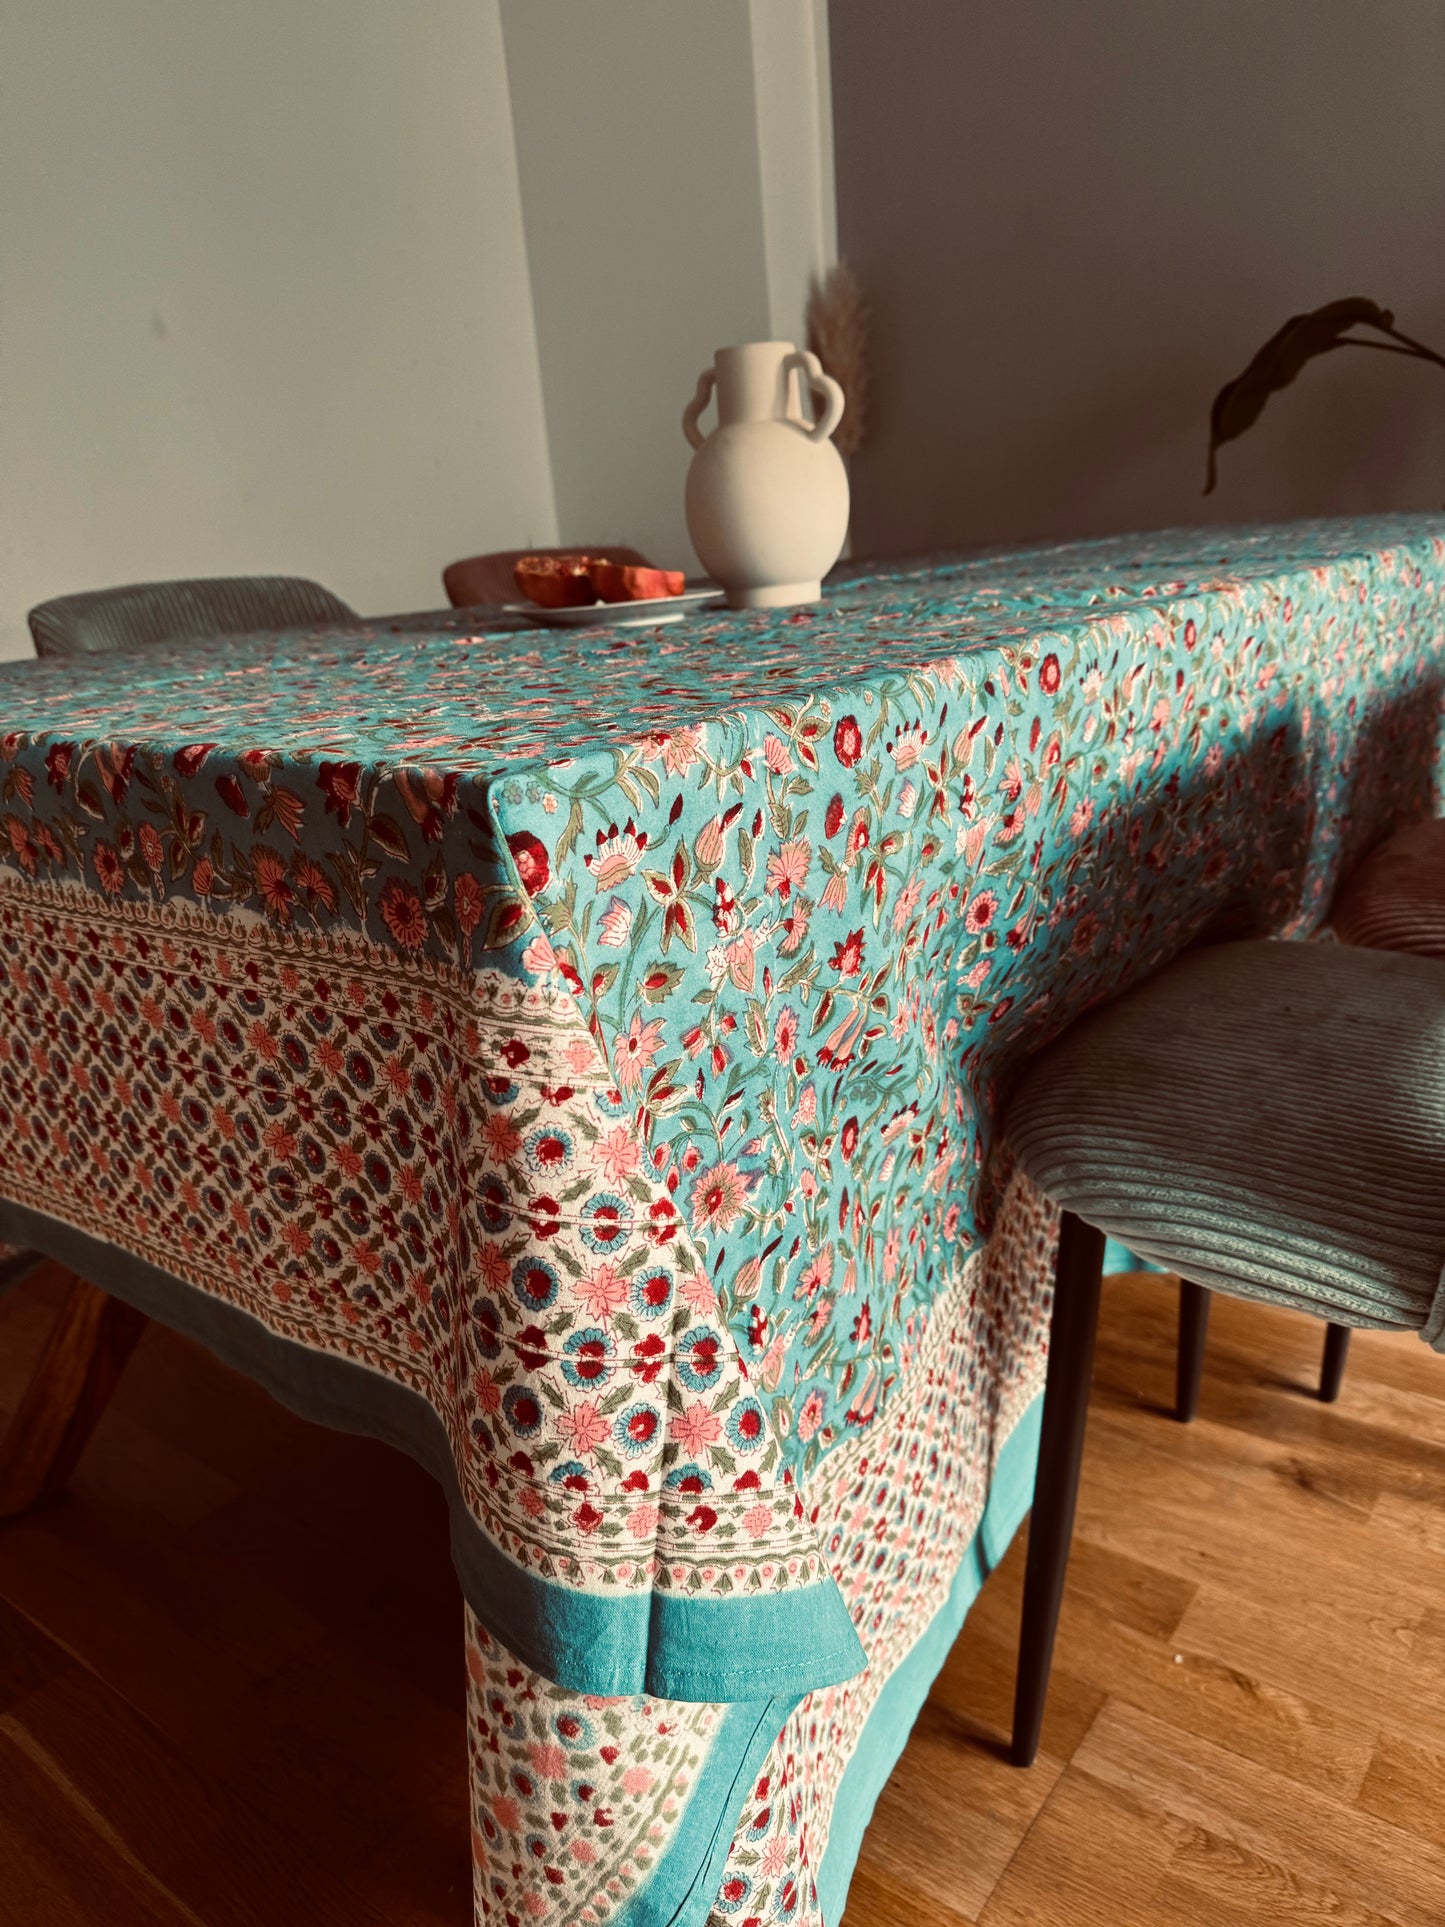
(109, 869)
(718, 1195)
(907, 903)
(835, 891)
(795, 927)
(603, 1293)
(785, 1035)
(584, 1428)
(637, 1779)
(493, 1266)
(737, 961)
(757, 1521)
(1082, 817)
(620, 1153)
(401, 911)
(679, 750)
(642, 1521)
(549, 1762)
(810, 1417)
(615, 925)
(981, 910)
(539, 957)
(695, 1290)
(695, 1428)
(788, 866)
(501, 1137)
(617, 855)
(467, 895)
(636, 1050)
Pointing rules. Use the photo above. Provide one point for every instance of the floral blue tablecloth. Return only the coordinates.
(576, 1056)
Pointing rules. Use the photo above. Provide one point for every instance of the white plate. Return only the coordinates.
(614, 615)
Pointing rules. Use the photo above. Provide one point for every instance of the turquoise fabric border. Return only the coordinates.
(682, 1888)
(773, 1646)
(1119, 1257)
(891, 1721)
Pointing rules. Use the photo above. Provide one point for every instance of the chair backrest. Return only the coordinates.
(100, 620)
(489, 579)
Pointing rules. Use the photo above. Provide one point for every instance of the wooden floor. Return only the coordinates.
(224, 1705)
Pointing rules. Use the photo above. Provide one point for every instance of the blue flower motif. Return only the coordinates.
(699, 1360)
(734, 1896)
(548, 1150)
(650, 1292)
(494, 1205)
(638, 1429)
(747, 1428)
(535, 1283)
(688, 1478)
(523, 1410)
(607, 1222)
(571, 1469)
(588, 1358)
(487, 1327)
(573, 1730)
(611, 1103)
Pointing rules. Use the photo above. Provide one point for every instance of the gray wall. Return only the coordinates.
(677, 191)
(264, 303)
(1074, 222)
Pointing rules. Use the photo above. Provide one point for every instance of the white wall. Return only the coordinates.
(264, 302)
(1075, 222)
(676, 178)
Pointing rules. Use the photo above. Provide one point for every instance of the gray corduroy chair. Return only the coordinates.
(1393, 900)
(99, 621)
(1265, 1119)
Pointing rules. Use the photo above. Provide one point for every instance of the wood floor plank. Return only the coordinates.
(1093, 1858)
(236, 1617)
(1302, 1738)
(1218, 1882)
(1403, 1785)
(1369, 1863)
(56, 1869)
(947, 1869)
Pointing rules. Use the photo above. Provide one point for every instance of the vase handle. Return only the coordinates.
(825, 391)
(695, 407)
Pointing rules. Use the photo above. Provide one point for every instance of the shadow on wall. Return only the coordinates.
(1073, 224)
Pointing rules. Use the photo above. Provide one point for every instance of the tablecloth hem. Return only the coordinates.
(891, 1720)
(591, 1643)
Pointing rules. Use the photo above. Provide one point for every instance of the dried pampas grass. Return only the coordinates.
(838, 335)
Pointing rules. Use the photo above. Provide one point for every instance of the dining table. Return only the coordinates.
(577, 1057)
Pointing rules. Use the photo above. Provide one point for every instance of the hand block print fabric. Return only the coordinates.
(580, 1804)
(577, 1057)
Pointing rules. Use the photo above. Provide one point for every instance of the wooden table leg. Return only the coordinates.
(70, 1387)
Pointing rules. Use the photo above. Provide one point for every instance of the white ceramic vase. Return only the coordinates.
(767, 493)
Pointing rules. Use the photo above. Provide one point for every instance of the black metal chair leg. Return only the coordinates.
(1077, 1278)
(1332, 1371)
(1193, 1330)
